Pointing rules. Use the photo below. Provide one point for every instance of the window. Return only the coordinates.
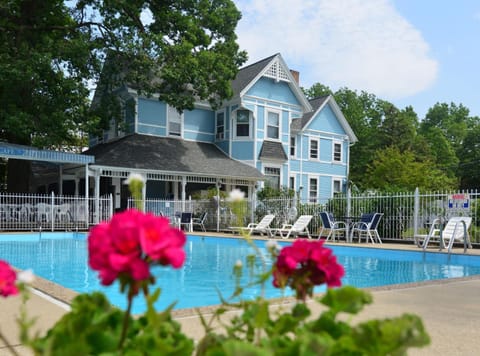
(313, 190)
(174, 122)
(273, 177)
(242, 127)
(337, 152)
(273, 125)
(314, 149)
(337, 186)
(220, 126)
(291, 182)
(292, 146)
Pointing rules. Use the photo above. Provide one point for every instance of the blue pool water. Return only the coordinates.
(62, 258)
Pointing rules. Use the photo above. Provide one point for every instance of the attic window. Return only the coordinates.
(277, 72)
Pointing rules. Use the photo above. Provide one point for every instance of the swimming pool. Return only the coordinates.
(62, 258)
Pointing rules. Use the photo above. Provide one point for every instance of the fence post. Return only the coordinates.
(218, 206)
(110, 203)
(349, 202)
(52, 205)
(416, 208)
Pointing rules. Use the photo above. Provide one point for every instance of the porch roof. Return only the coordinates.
(14, 151)
(170, 155)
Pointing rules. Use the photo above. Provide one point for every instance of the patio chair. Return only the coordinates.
(200, 221)
(262, 227)
(186, 220)
(299, 227)
(333, 227)
(456, 229)
(367, 227)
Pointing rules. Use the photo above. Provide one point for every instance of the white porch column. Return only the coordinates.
(87, 178)
(184, 195)
(97, 197)
(144, 193)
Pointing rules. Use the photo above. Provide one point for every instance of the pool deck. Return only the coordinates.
(450, 310)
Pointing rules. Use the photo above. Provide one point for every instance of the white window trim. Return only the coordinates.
(294, 176)
(309, 189)
(333, 151)
(340, 180)
(277, 166)
(310, 149)
(279, 112)
(224, 125)
(234, 126)
(294, 147)
(168, 122)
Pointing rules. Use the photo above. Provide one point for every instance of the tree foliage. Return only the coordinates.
(397, 151)
(50, 53)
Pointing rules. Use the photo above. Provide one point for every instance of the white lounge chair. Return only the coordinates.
(299, 227)
(456, 229)
(262, 227)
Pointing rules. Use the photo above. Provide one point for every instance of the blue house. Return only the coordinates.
(269, 133)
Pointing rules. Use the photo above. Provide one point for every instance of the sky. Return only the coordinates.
(410, 52)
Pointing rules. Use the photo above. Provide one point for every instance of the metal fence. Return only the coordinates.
(405, 215)
(23, 212)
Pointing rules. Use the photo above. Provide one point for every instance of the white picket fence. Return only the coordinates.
(23, 212)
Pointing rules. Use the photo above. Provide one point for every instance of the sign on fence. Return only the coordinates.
(458, 201)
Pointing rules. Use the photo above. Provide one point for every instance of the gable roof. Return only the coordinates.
(249, 75)
(272, 151)
(318, 104)
(171, 155)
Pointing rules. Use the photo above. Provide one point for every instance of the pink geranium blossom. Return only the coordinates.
(130, 242)
(304, 265)
(8, 278)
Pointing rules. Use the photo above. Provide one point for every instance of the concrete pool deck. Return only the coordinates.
(450, 310)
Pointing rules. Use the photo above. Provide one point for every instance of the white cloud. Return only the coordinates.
(360, 44)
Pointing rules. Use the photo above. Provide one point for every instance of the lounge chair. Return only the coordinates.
(200, 221)
(332, 226)
(299, 227)
(367, 227)
(456, 229)
(262, 227)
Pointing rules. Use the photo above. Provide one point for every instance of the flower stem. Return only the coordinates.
(126, 319)
(7, 344)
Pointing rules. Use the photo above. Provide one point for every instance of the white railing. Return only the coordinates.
(52, 212)
(406, 215)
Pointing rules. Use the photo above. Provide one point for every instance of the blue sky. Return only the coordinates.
(409, 52)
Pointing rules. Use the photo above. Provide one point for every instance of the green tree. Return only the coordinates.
(50, 52)
(469, 157)
(453, 121)
(317, 90)
(394, 170)
(399, 127)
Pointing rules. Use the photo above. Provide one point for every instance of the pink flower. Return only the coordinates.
(304, 265)
(161, 242)
(130, 242)
(7, 280)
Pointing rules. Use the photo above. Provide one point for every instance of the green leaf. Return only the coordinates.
(347, 299)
